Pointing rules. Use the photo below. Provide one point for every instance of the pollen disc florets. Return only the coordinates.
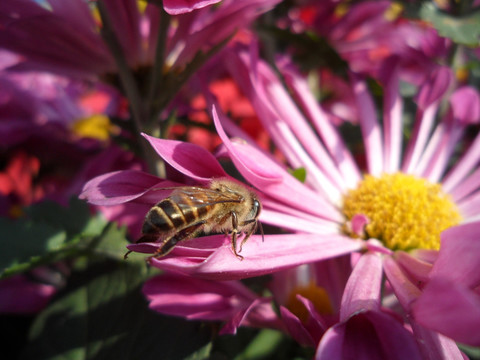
(404, 212)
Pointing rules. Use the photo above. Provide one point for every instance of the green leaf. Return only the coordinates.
(263, 345)
(300, 174)
(463, 30)
(254, 344)
(48, 233)
(103, 315)
(22, 240)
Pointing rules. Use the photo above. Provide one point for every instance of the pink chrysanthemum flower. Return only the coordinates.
(398, 209)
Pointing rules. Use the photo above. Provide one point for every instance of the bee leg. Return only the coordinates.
(252, 229)
(234, 235)
(144, 238)
(184, 234)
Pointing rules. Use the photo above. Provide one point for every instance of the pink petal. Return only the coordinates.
(359, 221)
(465, 103)
(331, 344)
(435, 87)
(272, 179)
(451, 309)
(20, 295)
(415, 267)
(74, 48)
(396, 341)
(281, 105)
(196, 298)
(368, 335)
(467, 187)
(316, 324)
(176, 7)
(363, 287)
(242, 316)
(295, 328)
(435, 346)
(190, 159)
(437, 153)
(371, 131)
(392, 117)
(285, 123)
(300, 222)
(329, 134)
(428, 99)
(464, 167)
(214, 27)
(404, 289)
(119, 187)
(469, 207)
(277, 252)
(424, 121)
(459, 256)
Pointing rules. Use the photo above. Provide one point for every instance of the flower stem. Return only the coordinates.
(156, 74)
(129, 85)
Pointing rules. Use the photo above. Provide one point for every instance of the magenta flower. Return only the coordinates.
(198, 299)
(176, 7)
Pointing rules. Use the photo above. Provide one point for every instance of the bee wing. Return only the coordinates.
(199, 197)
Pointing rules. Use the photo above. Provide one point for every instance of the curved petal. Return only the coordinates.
(330, 347)
(435, 87)
(465, 103)
(295, 328)
(368, 335)
(451, 309)
(176, 7)
(403, 287)
(317, 325)
(277, 252)
(190, 159)
(192, 298)
(435, 346)
(258, 313)
(414, 266)
(396, 341)
(119, 187)
(363, 287)
(459, 256)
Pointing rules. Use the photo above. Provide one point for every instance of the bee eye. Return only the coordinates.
(256, 205)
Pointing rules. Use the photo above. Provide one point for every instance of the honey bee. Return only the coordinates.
(225, 206)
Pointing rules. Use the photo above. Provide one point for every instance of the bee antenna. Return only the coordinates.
(261, 231)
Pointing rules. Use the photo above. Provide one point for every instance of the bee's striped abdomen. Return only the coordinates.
(173, 214)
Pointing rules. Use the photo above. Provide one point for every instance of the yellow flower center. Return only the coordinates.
(96, 126)
(393, 12)
(317, 295)
(403, 211)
